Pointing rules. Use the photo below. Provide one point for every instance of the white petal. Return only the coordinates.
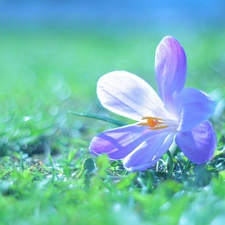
(149, 151)
(128, 95)
(117, 143)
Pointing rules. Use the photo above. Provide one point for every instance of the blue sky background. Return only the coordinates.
(130, 14)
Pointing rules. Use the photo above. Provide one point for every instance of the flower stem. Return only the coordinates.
(171, 164)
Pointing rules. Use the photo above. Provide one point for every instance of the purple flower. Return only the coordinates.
(179, 113)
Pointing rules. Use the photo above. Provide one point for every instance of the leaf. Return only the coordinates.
(126, 181)
(89, 165)
(71, 156)
(102, 163)
(67, 171)
(95, 116)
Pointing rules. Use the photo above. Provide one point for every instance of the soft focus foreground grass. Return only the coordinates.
(47, 175)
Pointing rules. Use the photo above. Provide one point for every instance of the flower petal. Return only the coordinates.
(170, 67)
(193, 107)
(198, 144)
(149, 151)
(128, 95)
(118, 142)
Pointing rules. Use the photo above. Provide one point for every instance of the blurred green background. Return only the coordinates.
(52, 53)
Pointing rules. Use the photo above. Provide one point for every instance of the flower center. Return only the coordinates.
(153, 123)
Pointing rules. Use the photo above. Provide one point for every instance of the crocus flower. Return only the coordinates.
(178, 113)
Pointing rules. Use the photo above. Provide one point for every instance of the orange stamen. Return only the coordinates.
(153, 123)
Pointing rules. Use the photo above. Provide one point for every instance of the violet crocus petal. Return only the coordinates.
(198, 144)
(119, 142)
(128, 95)
(149, 151)
(193, 107)
(170, 67)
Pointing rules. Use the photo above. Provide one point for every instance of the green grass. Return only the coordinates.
(47, 175)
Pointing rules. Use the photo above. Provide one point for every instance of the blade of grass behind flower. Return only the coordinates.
(95, 116)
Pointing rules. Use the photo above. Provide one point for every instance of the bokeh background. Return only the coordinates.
(53, 52)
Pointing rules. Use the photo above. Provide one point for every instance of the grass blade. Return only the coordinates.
(95, 116)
